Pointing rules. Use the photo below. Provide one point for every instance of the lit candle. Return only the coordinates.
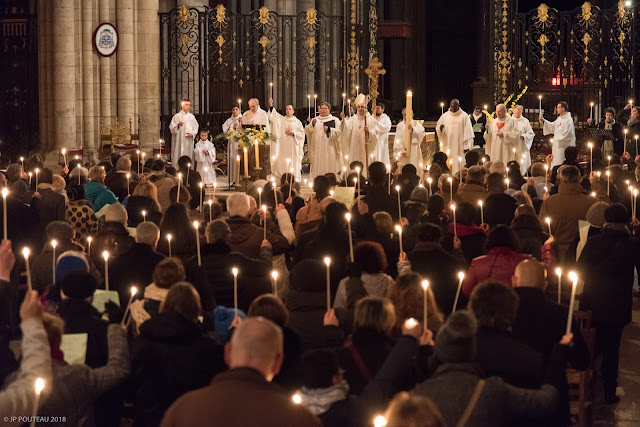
(30, 175)
(625, 139)
(105, 255)
(196, 225)
(358, 171)
(237, 174)
(380, 420)
(64, 156)
(514, 155)
(210, 210)
(327, 262)
(169, 237)
(548, 221)
(455, 301)
(450, 180)
(274, 282)
(559, 274)
(399, 204)
(609, 158)
(5, 193)
(399, 229)
(264, 212)
(134, 290)
(343, 101)
(188, 169)
(591, 113)
(89, 240)
(246, 162)
(271, 90)
(296, 398)
(240, 105)
(275, 193)
(39, 386)
(389, 177)
(22, 162)
(129, 192)
(539, 105)
(259, 196)
(425, 287)
(441, 108)
(460, 167)
(234, 270)
(455, 229)
(54, 243)
(574, 277)
(309, 105)
(348, 216)
(179, 183)
(25, 253)
(144, 216)
(480, 203)
(608, 181)
(546, 174)
(37, 172)
(201, 195)
(590, 145)
(257, 155)
(315, 104)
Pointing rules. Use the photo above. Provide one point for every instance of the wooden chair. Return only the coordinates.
(581, 382)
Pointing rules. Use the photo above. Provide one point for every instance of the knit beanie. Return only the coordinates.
(78, 285)
(595, 214)
(456, 340)
(70, 264)
(419, 194)
(616, 214)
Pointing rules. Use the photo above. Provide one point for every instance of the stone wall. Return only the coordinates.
(78, 87)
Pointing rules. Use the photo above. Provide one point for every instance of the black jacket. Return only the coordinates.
(373, 348)
(499, 208)
(171, 356)
(618, 141)
(530, 235)
(216, 278)
(117, 183)
(137, 204)
(379, 200)
(133, 267)
(306, 316)
(606, 265)
(81, 317)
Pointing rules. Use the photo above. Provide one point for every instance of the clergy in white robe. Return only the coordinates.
(564, 134)
(399, 151)
(358, 130)
(323, 139)
(232, 123)
(256, 116)
(205, 155)
(524, 140)
(455, 132)
(289, 143)
(501, 137)
(381, 153)
(183, 127)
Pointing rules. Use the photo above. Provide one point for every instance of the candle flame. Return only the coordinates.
(348, 216)
(425, 284)
(5, 192)
(461, 275)
(274, 274)
(296, 398)
(399, 229)
(26, 252)
(327, 261)
(234, 270)
(196, 224)
(410, 323)
(39, 385)
(573, 276)
(169, 237)
(558, 271)
(547, 220)
(379, 421)
(479, 202)
(54, 243)
(105, 255)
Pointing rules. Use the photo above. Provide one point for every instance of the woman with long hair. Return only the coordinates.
(407, 297)
(176, 223)
(144, 198)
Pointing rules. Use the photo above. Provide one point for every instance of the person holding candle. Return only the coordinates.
(499, 207)
(524, 138)
(399, 148)
(96, 192)
(473, 189)
(501, 136)
(289, 143)
(184, 128)
(204, 154)
(616, 145)
(606, 266)
(562, 129)
(629, 118)
(49, 205)
(191, 180)
(407, 298)
(118, 181)
(324, 142)
(143, 198)
(455, 131)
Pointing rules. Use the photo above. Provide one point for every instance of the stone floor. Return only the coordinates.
(627, 412)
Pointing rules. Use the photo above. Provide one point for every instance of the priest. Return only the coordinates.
(232, 123)
(381, 153)
(323, 137)
(359, 130)
(399, 150)
(501, 137)
(524, 140)
(183, 127)
(289, 143)
(564, 134)
(455, 132)
(256, 116)
(205, 156)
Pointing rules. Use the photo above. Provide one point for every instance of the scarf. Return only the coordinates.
(477, 117)
(631, 121)
(319, 400)
(616, 227)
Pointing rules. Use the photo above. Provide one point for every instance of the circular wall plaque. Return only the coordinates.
(105, 39)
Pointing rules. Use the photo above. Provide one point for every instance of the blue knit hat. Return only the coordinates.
(223, 317)
(70, 264)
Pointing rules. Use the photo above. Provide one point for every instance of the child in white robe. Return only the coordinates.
(205, 155)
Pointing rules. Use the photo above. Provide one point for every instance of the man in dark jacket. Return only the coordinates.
(540, 323)
(499, 207)
(244, 395)
(118, 182)
(441, 268)
(218, 260)
(136, 265)
(606, 265)
(50, 206)
(378, 198)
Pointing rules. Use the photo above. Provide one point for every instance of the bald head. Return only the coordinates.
(256, 343)
(529, 274)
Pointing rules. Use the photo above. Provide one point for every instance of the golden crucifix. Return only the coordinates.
(373, 71)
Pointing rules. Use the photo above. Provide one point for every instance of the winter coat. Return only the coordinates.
(133, 267)
(81, 317)
(498, 265)
(472, 238)
(530, 235)
(472, 193)
(137, 204)
(98, 195)
(499, 208)
(246, 237)
(372, 347)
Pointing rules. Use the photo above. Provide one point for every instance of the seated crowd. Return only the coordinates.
(431, 303)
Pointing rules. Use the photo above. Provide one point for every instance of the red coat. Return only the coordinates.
(498, 265)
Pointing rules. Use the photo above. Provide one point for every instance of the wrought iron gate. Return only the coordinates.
(215, 57)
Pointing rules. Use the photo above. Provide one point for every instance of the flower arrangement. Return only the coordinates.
(492, 116)
(247, 137)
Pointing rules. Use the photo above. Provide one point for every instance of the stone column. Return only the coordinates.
(88, 72)
(64, 76)
(125, 65)
(105, 75)
(148, 72)
(45, 75)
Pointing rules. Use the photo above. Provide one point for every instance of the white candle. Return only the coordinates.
(460, 167)
(196, 225)
(240, 105)
(275, 193)
(590, 145)
(559, 274)
(425, 287)
(591, 113)
(546, 174)
(144, 216)
(259, 196)
(169, 237)
(548, 221)
(399, 204)
(274, 282)
(481, 211)
(89, 239)
(348, 216)
(5, 193)
(234, 270)
(25, 253)
(271, 90)
(539, 105)
(64, 155)
(358, 171)
(179, 183)
(608, 181)
(455, 301)
(309, 105)
(201, 195)
(574, 277)
(129, 192)
(399, 229)
(315, 105)
(450, 180)
(246, 162)
(53, 245)
(257, 155)
(625, 139)
(343, 101)
(105, 255)
(327, 262)
(37, 172)
(455, 229)
(264, 212)
(39, 386)
(441, 108)
(389, 177)
(134, 290)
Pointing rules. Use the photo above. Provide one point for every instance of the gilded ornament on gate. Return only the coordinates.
(542, 18)
(183, 12)
(263, 20)
(586, 39)
(311, 18)
(543, 40)
(586, 15)
(221, 17)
